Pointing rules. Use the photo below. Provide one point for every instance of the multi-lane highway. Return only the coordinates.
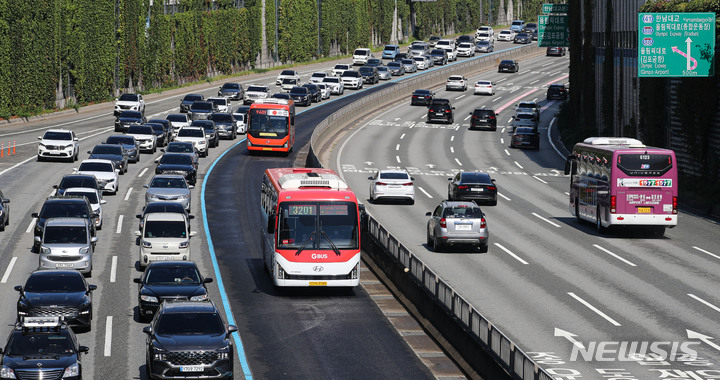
(298, 334)
(578, 302)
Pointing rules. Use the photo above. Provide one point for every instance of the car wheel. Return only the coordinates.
(428, 239)
(484, 248)
(39, 158)
(2, 225)
(437, 245)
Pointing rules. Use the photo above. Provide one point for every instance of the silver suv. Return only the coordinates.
(67, 243)
(457, 223)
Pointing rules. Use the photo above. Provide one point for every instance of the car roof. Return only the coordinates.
(460, 203)
(165, 217)
(55, 272)
(81, 190)
(58, 130)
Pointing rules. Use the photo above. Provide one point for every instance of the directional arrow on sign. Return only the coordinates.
(704, 338)
(687, 55)
(569, 336)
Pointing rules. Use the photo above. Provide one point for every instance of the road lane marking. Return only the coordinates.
(452, 150)
(397, 147)
(506, 152)
(496, 99)
(614, 255)
(460, 97)
(397, 158)
(518, 165)
(539, 179)
(142, 172)
(593, 308)
(127, 195)
(546, 220)
(8, 270)
(535, 81)
(708, 304)
(18, 164)
(509, 252)
(32, 224)
(706, 252)
(119, 224)
(425, 192)
(566, 193)
(502, 141)
(402, 136)
(458, 162)
(509, 120)
(452, 138)
(108, 335)
(506, 198)
(113, 269)
(468, 116)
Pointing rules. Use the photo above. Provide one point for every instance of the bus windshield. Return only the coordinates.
(317, 225)
(271, 123)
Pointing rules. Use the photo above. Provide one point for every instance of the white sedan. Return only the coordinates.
(392, 184)
(104, 171)
(484, 87)
(506, 35)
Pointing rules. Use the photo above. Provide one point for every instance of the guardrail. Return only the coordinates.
(428, 285)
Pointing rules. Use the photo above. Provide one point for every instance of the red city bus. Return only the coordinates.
(271, 125)
(311, 228)
(621, 182)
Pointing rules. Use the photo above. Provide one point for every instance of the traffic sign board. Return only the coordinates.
(553, 30)
(676, 44)
(555, 8)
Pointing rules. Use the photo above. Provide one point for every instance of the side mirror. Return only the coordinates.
(39, 137)
(37, 239)
(271, 224)
(412, 178)
(138, 233)
(207, 280)
(191, 216)
(18, 288)
(428, 213)
(92, 287)
(193, 233)
(470, 113)
(146, 186)
(94, 239)
(76, 139)
(117, 171)
(370, 178)
(102, 201)
(162, 150)
(139, 216)
(137, 280)
(83, 349)
(232, 329)
(191, 187)
(449, 179)
(34, 215)
(147, 330)
(89, 152)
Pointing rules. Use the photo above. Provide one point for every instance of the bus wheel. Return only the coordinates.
(577, 212)
(658, 231)
(600, 227)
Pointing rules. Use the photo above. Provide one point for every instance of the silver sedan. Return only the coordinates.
(168, 188)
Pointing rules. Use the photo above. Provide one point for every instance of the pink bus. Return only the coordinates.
(617, 181)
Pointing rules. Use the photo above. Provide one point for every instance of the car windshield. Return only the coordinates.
(422, 92)
(351, 73)
(257, 89)
(332, 79)
(454, 77)
(317, 225)
(181, 275)
(158, 128)
(287, 72)
(176, 159)
(394, 175)
(202, 106)
(407, 62)
(103, 149)
(318, 75)
(65, 235)
(366, 70)
(190, 132)
(465, 45)
(70, 210)
(342, 67)
(60, 283)
(189, 324)
(390, 48)
(192, 97)
(123, 140)
(91, 196)
(168, 183)
(140, 130)
(394, 64)
(299, 90)
(219, 101)
(74, 181)
(231, 86)
(524, 131)
(360, 52)
(506, 62)
(178, 118)
(57, 136)
(40, 344)
(462, 212)
(165, 229)
(222, 118)
(483, 43)
(129, 97)
(96, 167)
(525, 116)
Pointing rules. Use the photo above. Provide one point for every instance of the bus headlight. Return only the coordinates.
(280, 272)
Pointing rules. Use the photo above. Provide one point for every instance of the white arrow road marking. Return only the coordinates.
(569, 336)
(704, 338)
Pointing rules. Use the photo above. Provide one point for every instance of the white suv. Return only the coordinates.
(339, 69)
(133, 102)
(196, 136)
(361, 56)
(352, 79)
(164, 236)
(58, 143)
(104, 170)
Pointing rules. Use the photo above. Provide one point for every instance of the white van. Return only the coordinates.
(361, 56)
(164, 236)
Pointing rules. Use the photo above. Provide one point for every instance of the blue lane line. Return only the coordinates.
(218, 276)
(221, 287)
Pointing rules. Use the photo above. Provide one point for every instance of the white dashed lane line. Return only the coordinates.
(546, 220)
(32, 224)
(504, 197)
(706, 252)
(518, 165)
(513, 255)
(119, 224)
(614, 255)
(108, 336)
(458, 162)
(8, 270)
(113, 269)
(425, 192)
(706, 303)
(127, 195)
(593, 308)
(142, 172)
(539, 179)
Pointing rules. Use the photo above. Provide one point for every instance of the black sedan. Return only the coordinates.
(314, 90)
(472, 186)
(523, 38)
(421, 97)
(162, 134)
(177, 163)
(232, 91)
(112, 152)
(129, 145)
(301, 96)
(509, 66)
(188, 100)
(169, 280)
(525, 137)
(60, 293)
(439, 56)
(128, 118)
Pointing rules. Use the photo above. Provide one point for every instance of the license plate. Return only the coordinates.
(394, 186)
(191, 368)
(483, 120)
(162, 258)
(64, 265)
(477, 189)
(439, 114)
(463, 227)
(318, 283)
(644, 210)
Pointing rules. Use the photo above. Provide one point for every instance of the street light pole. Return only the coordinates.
(275, 53)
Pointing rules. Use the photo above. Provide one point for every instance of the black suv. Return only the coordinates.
(127, 118)
(232, 91)
(557, 91)
(441, 109)
(62, 207)
(314, 90)
(61, 293)
(439, 56)
(42, 348)
(189, 339)
(300, 95)
(177, 163)
(188, 100)
(169, 280)
(370, 74)
(483, 118)
(76, 180)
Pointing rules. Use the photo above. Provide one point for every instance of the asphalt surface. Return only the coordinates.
(576, 301)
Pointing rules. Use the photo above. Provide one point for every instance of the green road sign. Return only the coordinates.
(553, 30)
(676, 44)
(555, 8)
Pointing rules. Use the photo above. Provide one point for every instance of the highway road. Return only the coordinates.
(298, 334)
(580, 303)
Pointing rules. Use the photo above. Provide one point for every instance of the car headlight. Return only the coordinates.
(111, 180)
(184, 244)
(224, 353)
(72, 371)
(7, 373)
(202, 297)
(146, 244)
(84, 250)
(45, 250)
(148, 298)
(202, 142)
(159, 354)
(41, 145)
(183, 196)
(68, 146)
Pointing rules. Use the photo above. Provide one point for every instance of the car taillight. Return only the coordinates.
(407, 184)
(492, 188)
(613, 204)
(447, 111)
(462, 187)
(674, 203)
(381, 184)
(443, 223)
(483, 223)
(491, 117)
(431, 110)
